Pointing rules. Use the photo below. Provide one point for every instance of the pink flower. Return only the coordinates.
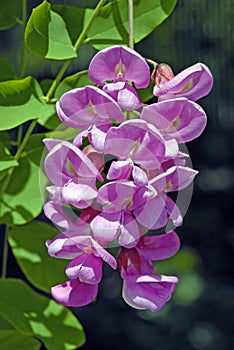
(136, 140)
(179, 119)
(87, 106)
(142, 289)
(85, 272)
(119, 63)
(159, 207)
(72, 172)
(124, 94)
(148, 291)
(74, 293)
(194, 82)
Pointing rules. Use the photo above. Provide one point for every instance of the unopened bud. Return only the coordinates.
(161, 74)
(128, 258)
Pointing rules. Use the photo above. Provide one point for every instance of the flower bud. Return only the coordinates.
(161, 74)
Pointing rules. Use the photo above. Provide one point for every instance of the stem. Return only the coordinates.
(23, 51)
(25, 139)
(77, 44)
(131, 35)
(5, 253)
(131, 24)
(19, 134)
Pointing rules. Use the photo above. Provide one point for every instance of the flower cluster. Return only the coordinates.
(119, 172)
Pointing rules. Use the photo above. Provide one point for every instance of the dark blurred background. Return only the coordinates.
(200, 315)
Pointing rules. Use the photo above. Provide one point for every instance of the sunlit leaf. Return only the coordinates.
(37, 316)
(10, 11)
(11, 339)
(49, 118)
(28, 245)
(46, 34)
(112, 25)
(20, 101)
(22, 200)
(6, 69)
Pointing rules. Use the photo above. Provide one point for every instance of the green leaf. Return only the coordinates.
(112, 25)
(49, 118)
(6, 69)
(11, 339)
(46, 34)
(77, 80)
(146, 94)
(73, 17)
(37, 316)
(22, 200)
(6, 160)
(28, 245)
(10, 11)
(4, 324)
(20, 101)
(5, 139)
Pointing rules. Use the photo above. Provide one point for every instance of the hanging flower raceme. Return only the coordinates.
(119, 175)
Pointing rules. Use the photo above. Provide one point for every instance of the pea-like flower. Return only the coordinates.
(142, 288)
(120, 65)
(194, 83)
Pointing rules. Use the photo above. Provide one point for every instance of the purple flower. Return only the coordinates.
(159, 207)
(119, 63)
(179, 119)
(136, 140)
(124, 94)
(72, 172)
(76, 243)
(116, 220)
(148, 291)
(142, 289)
(74, 293)
(194, 82)
(85, 272)
(87, 106)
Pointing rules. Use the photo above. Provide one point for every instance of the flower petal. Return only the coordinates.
(86, 267)
(159, 247)
(129, 231)
(148, 291)
(119, 63)
(82, 107)
(74, 293)
(178, 118)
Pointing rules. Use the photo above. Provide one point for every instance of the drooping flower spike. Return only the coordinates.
(120, 173)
